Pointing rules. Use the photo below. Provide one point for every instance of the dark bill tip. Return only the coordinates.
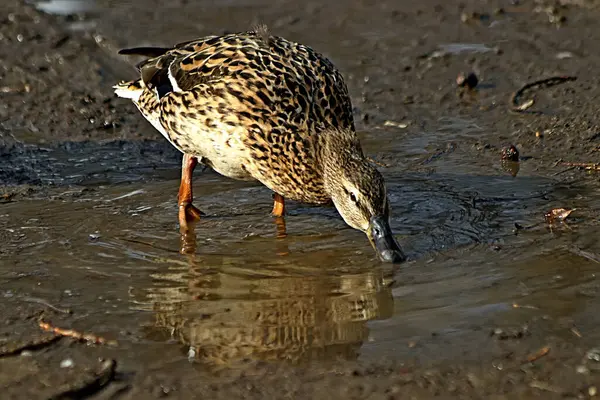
(383, 241)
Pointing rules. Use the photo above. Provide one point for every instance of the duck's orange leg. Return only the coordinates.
(278, 205)
(278, 211)
(187, 212)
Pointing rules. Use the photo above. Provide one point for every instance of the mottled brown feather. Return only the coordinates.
(249, 105)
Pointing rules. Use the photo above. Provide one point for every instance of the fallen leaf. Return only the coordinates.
(558, 214)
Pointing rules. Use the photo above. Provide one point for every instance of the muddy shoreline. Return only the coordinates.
(482, 310)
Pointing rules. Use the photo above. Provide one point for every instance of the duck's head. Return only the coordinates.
(358, 192)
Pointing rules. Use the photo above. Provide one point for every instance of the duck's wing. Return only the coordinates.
(270, 71)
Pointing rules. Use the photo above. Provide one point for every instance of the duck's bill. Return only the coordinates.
(382, 239)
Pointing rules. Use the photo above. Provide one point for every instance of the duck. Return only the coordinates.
(257, 107)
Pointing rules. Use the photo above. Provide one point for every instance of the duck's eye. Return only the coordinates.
(353, 197)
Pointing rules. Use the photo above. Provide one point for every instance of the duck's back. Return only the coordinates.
(247, 104)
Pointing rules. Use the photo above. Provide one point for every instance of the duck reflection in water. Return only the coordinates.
(240, 310)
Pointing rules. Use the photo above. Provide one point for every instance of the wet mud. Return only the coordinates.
(497, 300)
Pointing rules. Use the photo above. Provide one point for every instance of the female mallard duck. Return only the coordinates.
(258, 107)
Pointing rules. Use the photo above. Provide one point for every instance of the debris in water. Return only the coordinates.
(395, 124)
(88, 337)
(538, 354)
(576, 332)
(558, 214)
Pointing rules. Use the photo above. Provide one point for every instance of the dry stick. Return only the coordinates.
(36, 344)
(576, 332)
(538, 354)
(542, 83)
(588, 166)
(88, 337)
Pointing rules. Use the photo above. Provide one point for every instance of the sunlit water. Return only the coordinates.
(108, 248)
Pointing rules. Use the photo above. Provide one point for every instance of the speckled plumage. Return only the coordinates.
(248, 105)
(258, 107)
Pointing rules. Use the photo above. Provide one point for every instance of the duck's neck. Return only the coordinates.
(336, 152)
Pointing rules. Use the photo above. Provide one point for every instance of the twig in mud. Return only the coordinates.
(542, 83)
(88, 337)
(576, 332)
(45, 303)
(98, 381)
(586, 166)
(40, 343)
(538, 354)
(515, 305)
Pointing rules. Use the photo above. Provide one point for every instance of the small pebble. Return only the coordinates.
(564, 54)
(67, 363)
(582, 369)
(467, 80)
(26, 353)
(94, 236)
(592, 391)
(510, 153)
(191, 353)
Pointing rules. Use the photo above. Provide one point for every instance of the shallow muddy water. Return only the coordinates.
(96, 230)
(112, 245)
